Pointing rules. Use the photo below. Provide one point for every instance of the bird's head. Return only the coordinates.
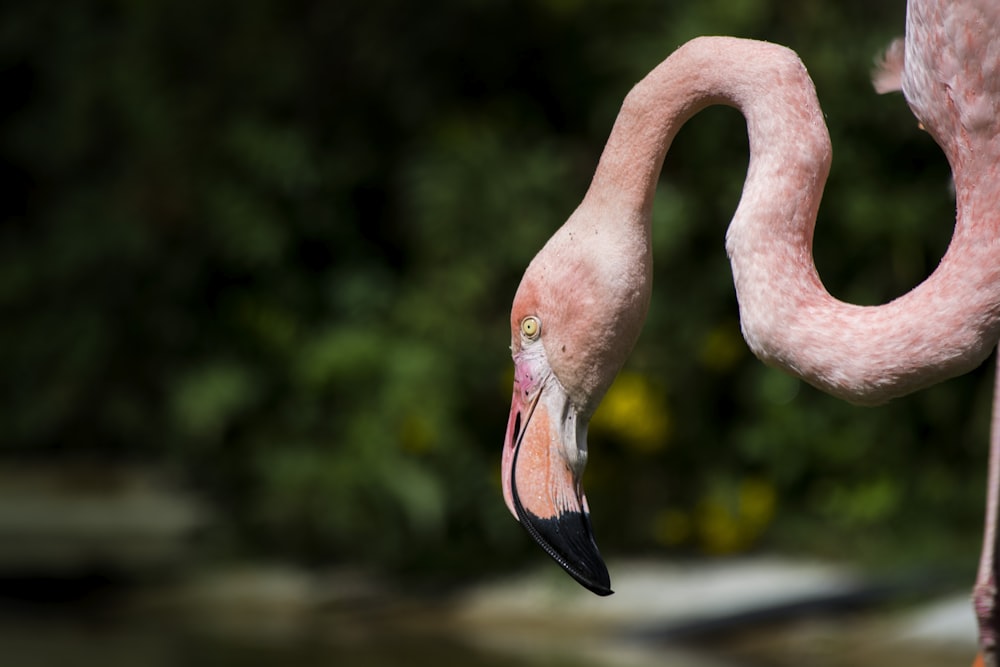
(575, 318)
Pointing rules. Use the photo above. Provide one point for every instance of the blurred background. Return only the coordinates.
(256, 262)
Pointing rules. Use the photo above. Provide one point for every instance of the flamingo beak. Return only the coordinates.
(544, 454)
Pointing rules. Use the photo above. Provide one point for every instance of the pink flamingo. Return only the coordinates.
(583, 299)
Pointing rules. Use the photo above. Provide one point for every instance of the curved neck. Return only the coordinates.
(942, 328)
(766, 82)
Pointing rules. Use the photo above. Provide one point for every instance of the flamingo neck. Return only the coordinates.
(942, 328)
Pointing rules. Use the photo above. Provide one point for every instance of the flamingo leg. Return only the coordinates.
(984, 594)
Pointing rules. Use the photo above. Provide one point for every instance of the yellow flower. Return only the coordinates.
(757, 501)
(722, 348)
(635, 412)
(728, 523)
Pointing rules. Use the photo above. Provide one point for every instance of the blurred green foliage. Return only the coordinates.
(272, 245)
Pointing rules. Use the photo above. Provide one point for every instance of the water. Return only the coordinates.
(80, 637)
(283, 618)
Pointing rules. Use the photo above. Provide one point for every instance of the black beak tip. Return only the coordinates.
(598, 582)
(569, 540)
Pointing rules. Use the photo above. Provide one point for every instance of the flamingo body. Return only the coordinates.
(583, 299)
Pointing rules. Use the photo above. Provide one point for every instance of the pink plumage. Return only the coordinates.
(583, 299)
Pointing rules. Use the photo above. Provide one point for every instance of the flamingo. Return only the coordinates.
(583, 299)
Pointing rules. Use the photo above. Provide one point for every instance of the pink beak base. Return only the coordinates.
(543, 493)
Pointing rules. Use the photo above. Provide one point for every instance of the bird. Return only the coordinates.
(581, 303)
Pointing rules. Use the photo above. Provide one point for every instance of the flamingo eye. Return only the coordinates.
(530, 327)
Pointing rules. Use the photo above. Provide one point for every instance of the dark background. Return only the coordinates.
(267, 250)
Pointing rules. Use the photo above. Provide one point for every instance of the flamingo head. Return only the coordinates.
(575, 318)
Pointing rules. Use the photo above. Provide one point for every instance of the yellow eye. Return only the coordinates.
(530, 327)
